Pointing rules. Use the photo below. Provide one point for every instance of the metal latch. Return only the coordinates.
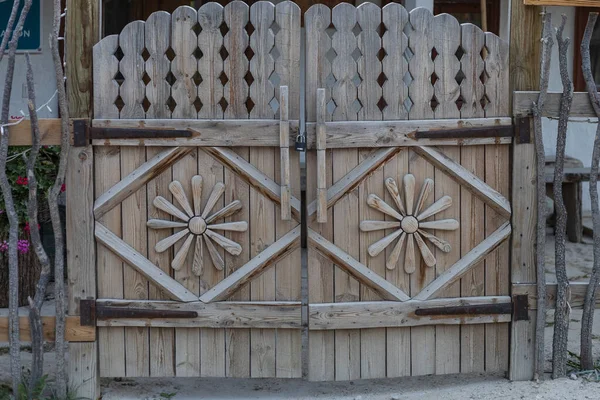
(301, 142)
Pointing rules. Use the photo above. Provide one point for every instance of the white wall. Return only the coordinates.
(43, 71)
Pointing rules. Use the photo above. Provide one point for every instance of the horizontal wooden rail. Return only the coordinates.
(523, 102)
(227, 314)
(456, 132)
(250, 132)
(570, 3)
(50, 131)
(576, 298)
(74, 331)
(380, 314)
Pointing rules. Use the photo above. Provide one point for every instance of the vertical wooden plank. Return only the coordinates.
(472, 209)
(372, 341)
(210, 92)
(447, 36)
(526, 26)
(346, 211)
(262, 216)
(135, 286)
(321, 148)
(287, 56)
(395, 93)
(421, 66)
(106, 88)
(321, 344)
(158, 91)
(236, 16)
(183, 67)
(111, 341)
(81, 264)
(497, 175)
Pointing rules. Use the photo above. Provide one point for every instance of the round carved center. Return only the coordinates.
(409, 224)
(197, 225)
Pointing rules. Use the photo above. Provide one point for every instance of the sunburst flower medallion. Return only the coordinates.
(198, 224)
(410, 223)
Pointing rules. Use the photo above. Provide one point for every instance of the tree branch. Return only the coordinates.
(561, 313)
(9, 26)
(9, 206)
(546, 56)
(587, 361)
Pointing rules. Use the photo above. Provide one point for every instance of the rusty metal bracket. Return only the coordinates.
(468, 133)
(501, 308)
(87, 312)
(91, 311)
(523, 130)
(520, 307)
(80, 132)
(138, 133)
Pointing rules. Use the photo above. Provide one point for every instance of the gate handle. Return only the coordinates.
(321, 159)
(284, 151)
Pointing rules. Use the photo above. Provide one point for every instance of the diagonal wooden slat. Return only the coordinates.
(367, 277)
(253, 176)
(460, 174)
(354, 177)
(141, 264)
(138, 178)
(464, 265)
(290, 241)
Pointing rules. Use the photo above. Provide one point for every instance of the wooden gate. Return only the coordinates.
(193, 176)
(407, 186)
(196, 212)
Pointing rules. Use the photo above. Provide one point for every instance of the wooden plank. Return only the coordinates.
(157, 41)
(185, 65)
(524, 75)
(253, 268)
(378, 314)
(284, 154)
(74, 332)
(523, 102)
(111, 341)
(210, 41)
(571, 175)
(343, 260)
(568, 3)
(576, 298)
(135, 180)
(142, 264)
(467, 179)
(207, 132)
(421, 66)
(321, 144)
(50, 131)
(468, 261)
(106, 87)
(236, 91)
(230, 314)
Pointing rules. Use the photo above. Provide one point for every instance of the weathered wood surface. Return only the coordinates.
(577, 294)
(74, 332)
(571, 175)
(50, 131)
(227, 314)
(523, 102)
(386, 314)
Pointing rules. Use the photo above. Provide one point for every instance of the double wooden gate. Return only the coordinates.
(197, 212)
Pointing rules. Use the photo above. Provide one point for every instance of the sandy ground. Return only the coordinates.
(579, 258)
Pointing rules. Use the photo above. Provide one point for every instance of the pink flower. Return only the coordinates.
(23, 246)
(63, 187)
(22, 180)
(27, 228)
(3, 246)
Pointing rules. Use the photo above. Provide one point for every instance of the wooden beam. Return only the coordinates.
(352, 134)
(353, 178)
(164, 282)
(388, 314)
(363, 274)
(232, 132)
(525, 33)
(571, 175)
(227, 314)
(523, 102)
(568, 3)
(463, 176)
(284, 154)
(74, 332)
(253, 268)
(462, 266)
(253, 176)
(137, 179)
(20, 134)
(576, 298)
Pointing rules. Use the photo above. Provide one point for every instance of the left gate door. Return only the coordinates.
(196, 210)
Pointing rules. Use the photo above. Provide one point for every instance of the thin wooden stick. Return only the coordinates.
(9, 207)
(561, 314)
(587, 320)
(35, 305)
(546, 56)
(59, 245)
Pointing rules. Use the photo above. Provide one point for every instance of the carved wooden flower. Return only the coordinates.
(198, 225)
(410, 223)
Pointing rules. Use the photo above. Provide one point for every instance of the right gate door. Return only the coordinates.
(408, 175)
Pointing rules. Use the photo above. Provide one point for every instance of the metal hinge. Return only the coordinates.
(91, 311)
(520, 305)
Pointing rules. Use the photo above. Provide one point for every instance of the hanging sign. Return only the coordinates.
(31, 39)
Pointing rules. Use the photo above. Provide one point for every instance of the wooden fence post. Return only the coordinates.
(524, 75)
(82, 32)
